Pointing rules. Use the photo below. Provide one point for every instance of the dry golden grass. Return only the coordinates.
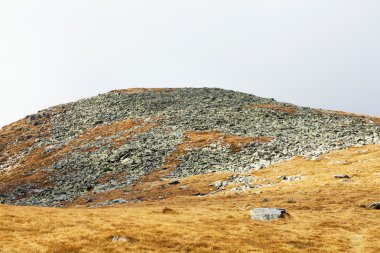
(325, 215)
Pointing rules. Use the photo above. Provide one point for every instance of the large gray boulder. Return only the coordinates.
(374, 205)
(266, 214)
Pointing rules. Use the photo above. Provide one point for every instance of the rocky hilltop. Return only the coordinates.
(115, 141)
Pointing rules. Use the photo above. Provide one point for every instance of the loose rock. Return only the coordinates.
(266, 214)
(175, 181)
(342, 176)
(375, 205)
(119, 239)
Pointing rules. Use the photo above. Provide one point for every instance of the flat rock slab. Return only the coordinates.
(266, 214)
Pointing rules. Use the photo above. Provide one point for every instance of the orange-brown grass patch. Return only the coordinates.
(123, 127)
(325, 216)
(376, 120)
(89, 150)
(107, 177)
(237, 142)
(141, 90)
(280, 108)
(103, 131)
(194, 139)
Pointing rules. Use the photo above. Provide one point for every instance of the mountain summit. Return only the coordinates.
(113, 144)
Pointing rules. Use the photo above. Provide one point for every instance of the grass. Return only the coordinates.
(324, 215)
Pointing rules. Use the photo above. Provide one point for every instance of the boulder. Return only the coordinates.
(218, 184)
(266, 214)
(342, 176)
(119, 239)
(174, 181)
(375, 205)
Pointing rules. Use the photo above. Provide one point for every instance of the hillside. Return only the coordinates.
(121, 146)
(326, 214)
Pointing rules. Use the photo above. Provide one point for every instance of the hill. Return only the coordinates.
(120, 146)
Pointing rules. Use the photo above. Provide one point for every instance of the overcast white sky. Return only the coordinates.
(323, 53)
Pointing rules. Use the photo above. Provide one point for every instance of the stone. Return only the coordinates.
(97, 122)
(374, 205)
(174, 181)
(218, 184)
(342, 176)
(119, 239)
(266, 214)
(291, 178)
(127, 161)
(264, 163)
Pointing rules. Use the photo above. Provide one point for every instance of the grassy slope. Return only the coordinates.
(326, 216)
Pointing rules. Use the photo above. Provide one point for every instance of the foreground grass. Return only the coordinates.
(325, 216)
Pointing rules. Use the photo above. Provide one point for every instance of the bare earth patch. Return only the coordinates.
(325, 215)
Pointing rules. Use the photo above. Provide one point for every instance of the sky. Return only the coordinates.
(322, 54)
